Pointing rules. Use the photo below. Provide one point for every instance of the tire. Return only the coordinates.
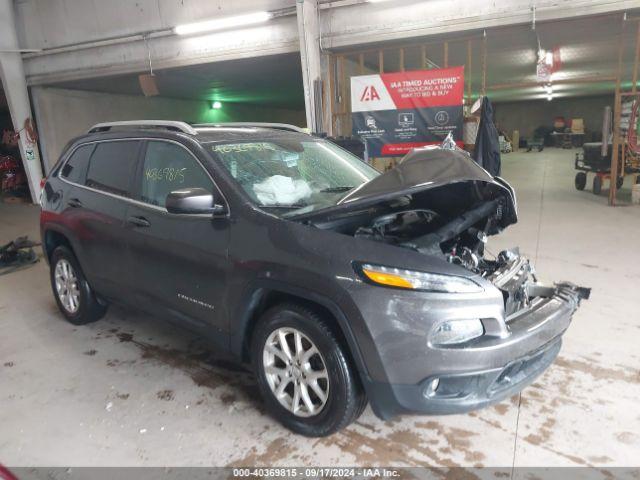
(619, 182)
(597, 185)
(581, 180)
(344, 397)
(84, 307)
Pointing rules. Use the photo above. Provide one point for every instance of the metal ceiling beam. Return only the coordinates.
(368, 23)
(120, 58)
(343, 24)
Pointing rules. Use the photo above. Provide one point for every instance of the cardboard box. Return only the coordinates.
(577, 125)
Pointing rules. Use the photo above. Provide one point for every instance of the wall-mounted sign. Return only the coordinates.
(397, 112)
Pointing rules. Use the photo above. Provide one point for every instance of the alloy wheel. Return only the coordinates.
(67, 286)
(296, 372)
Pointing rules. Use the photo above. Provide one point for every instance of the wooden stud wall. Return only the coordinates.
(619, 150)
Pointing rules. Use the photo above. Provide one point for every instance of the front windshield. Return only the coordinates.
(293, 176)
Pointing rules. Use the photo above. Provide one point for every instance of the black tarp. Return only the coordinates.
(487, 149)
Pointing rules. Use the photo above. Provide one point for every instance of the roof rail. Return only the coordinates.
(275, 126)
(166, 124)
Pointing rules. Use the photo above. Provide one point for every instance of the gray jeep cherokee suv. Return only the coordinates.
(338, 284)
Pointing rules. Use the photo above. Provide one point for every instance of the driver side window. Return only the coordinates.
(168, 167)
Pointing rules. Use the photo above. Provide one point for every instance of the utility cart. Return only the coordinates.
(596, 159)
(537, 143)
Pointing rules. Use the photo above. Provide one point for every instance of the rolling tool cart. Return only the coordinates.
(596, 159)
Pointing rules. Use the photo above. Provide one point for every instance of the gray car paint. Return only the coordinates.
(256, 253)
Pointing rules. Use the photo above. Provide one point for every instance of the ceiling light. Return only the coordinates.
(549, 97)
(216, 105)
(548, 58)
(549, 89)
(222, 23)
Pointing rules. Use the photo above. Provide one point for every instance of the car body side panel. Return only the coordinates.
(94, 228)
(179, 263)
(288, 258)
(303, 258)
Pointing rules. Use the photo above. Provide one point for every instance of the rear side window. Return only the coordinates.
(112, 166)
(75, 170)
(168, 167)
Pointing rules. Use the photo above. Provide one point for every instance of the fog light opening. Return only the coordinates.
(430, 391)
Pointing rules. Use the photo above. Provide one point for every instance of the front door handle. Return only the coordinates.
(138, 221)
(74, 203)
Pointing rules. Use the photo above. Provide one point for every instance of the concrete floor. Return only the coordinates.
(131, 390)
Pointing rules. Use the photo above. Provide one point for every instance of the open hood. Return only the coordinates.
(422, 170)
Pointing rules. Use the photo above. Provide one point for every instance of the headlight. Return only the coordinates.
(412, 280)
(456, 331)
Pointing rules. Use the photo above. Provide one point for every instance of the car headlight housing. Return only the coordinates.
(413, 280)
(456, 331)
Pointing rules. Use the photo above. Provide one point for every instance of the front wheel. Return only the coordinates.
(75, 298)
(304, 373)
(581, 180)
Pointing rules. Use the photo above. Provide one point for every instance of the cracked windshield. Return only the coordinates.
(292, 176)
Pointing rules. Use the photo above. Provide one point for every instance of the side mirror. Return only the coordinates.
(193, 201)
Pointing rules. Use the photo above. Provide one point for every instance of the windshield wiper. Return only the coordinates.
(336, 189)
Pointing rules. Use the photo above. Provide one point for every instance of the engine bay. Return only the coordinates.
(440, 203)
(460, 238)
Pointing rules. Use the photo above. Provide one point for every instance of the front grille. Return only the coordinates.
(524, 368)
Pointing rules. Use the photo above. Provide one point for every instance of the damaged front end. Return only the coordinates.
(450, 349)
(440, 203)
(515, 277)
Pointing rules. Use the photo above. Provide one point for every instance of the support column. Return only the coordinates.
(309, 33)
(327, 72)
(15, 89)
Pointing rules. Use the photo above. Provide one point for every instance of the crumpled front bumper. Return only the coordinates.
(532, 344)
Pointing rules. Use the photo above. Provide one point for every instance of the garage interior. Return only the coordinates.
(266, 89)
(132, 390)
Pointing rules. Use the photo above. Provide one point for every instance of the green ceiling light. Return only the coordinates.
(216, 105)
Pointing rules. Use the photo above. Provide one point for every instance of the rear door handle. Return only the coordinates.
(138, 221)
(74, 203)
